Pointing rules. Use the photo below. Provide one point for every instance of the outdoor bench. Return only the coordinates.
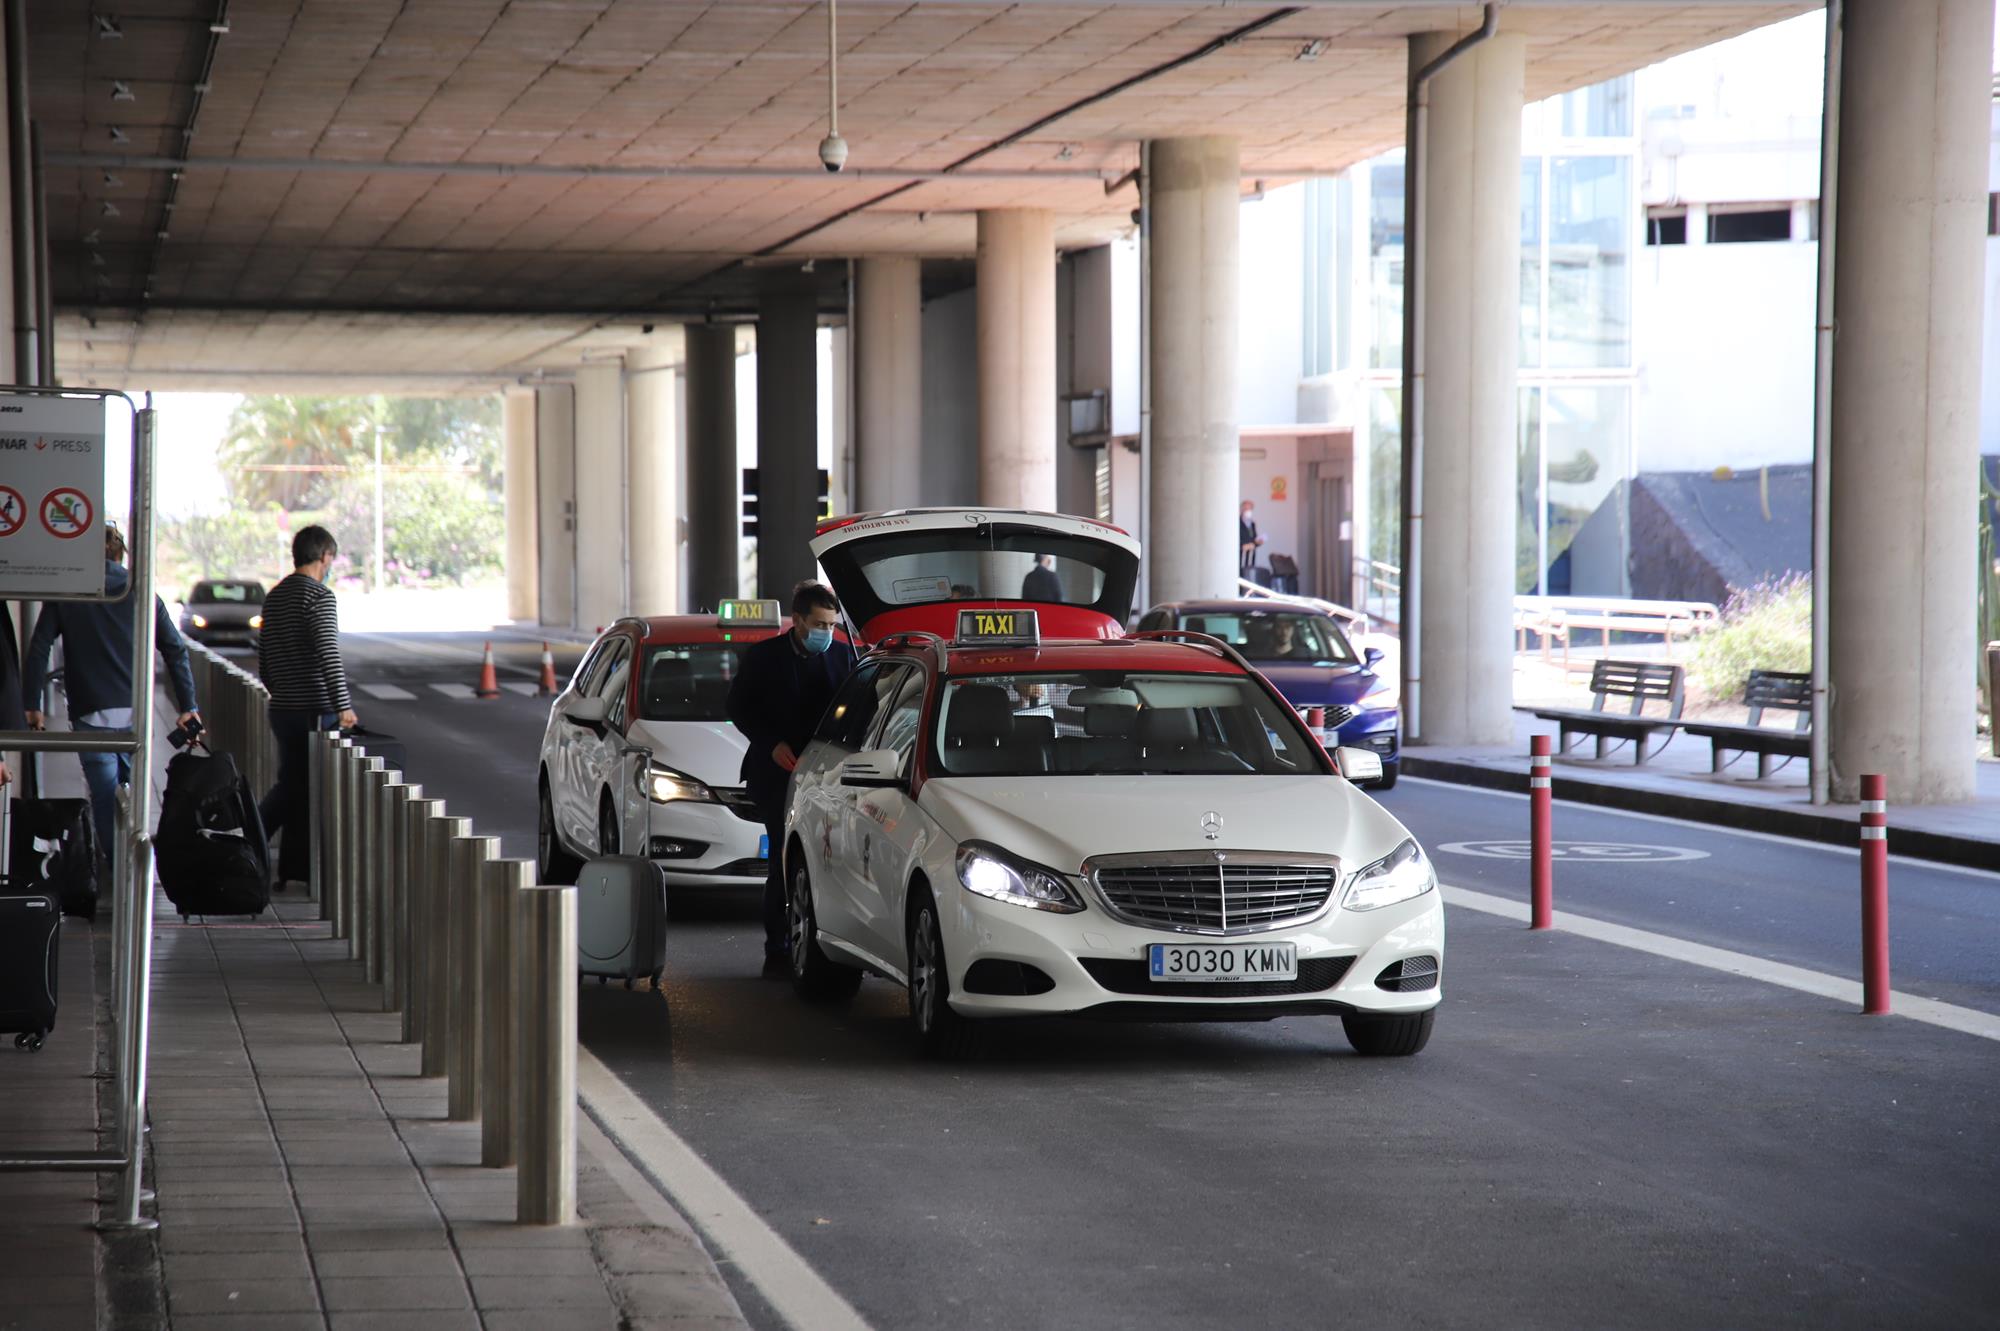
(1765, 690)
(1640, 681)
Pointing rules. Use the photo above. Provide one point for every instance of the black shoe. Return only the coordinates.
(777, 966)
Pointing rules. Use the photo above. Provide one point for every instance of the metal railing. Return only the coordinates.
(1559, 619)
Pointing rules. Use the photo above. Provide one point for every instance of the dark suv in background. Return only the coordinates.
(223, 610)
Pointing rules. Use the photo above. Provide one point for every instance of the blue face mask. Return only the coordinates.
(818, 640)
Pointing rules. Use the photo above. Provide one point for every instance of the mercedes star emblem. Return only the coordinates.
(1211, 825)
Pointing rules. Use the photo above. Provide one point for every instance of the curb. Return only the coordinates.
(1828, 829)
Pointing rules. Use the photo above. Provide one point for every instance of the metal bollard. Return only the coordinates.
(545, 1055)
(1874, 895)
(315, 817)
(388, 793)
(1541, 834)
(437, 937)
(358, 934)
(395, 896)
(469, 857)
(414, 908)
(336, 825)
(503, 884)
(350, 844)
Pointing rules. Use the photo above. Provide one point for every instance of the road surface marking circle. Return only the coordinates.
(66, 513)
(1605, 852)
(13, 510)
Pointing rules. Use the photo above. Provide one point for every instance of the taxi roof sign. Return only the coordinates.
(999, 628)
(750, 614)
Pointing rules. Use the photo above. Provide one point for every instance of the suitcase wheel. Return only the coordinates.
(29, 1040)
(604, 979)
(628, 982)
(656, 980)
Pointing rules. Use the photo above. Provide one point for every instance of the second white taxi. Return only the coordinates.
(1010, 824)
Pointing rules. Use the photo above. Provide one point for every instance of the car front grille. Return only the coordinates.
(1214, 892)
(1129, 977)
(1408, 976)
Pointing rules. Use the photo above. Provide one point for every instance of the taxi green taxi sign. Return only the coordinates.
(1000, 628)
(750, 614)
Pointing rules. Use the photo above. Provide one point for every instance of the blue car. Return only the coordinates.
(1306, 655)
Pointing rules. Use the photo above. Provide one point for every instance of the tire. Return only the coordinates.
(816, 977)
(553, 865)
(607, 827)
(941, 1033)
(1388, 781)
(1394, 1035)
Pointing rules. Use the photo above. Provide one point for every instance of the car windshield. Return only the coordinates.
(687, 682)
(1118, 722)
(231, 593)
(1296, 636)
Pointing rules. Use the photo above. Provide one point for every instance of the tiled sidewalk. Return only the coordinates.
(308, 1178)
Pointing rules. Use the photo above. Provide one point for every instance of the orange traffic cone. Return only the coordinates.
(489, 679)
(548, 685)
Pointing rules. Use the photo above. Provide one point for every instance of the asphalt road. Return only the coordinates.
(1595, 1137)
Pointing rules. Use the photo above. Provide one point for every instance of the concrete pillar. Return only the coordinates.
(8, 239)
(653, 502)
(21, 247)
(601, 545)
(1194, 194)
(888, 383)
(1909, 258)
(787, 430)
(1472, 320)
(1017, 358)
(518, 496)
(555, 502)
(712, 493)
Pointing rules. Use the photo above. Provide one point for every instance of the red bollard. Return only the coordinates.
(1541, 835)
(1874, 895)
(1316, 722)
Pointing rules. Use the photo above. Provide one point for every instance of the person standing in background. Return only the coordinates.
(97, 676)
(1247, 539)
(298, 655)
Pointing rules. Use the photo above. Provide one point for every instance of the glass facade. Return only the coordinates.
(1580, 225)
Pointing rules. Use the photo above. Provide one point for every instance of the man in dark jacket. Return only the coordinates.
(97, 675)
(298, 657)
(776, 700)
(1042, 584)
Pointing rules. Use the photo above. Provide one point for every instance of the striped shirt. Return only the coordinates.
(298, 652)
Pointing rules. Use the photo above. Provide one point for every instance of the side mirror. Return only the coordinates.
(1358, 765)
(586, 712)
(1371, 657)
(872, 768)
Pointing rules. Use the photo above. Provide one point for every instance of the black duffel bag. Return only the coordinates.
(211, 851)
(54, 850)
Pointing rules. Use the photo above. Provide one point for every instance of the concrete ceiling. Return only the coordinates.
(397, 163)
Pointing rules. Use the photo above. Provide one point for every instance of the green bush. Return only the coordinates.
(1765, 627)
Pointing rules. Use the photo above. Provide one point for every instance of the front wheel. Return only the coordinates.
(1392, 1035)
(941, 1033)
(553, 864)
(815, 976)
(1388, 781)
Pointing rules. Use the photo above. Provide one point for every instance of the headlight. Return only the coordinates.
(992, 872)
(664, 785)
(256, 621)
(198, 621)
(1398, 876)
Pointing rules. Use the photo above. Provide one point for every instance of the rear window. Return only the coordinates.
(1112, 722)
(232, 593)
(987, 562)
(688, 682)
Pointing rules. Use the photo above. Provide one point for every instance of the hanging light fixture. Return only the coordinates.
(832, 148)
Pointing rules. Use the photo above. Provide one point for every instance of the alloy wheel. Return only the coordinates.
(923, 970)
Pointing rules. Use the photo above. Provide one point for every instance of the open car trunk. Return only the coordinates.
(915, 569)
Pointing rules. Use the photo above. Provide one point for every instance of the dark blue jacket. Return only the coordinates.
(97, 650)
(778, 697)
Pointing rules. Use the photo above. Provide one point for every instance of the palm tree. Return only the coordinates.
(271, 436)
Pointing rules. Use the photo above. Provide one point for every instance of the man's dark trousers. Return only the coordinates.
(777, 938)
(286, 805)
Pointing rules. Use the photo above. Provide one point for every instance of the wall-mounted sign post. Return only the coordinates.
(51, 496)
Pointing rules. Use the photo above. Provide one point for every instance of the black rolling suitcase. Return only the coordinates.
(52, 848)
(29, 927)
(210, 850)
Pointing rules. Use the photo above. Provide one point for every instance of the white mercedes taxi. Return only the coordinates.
(639, 756)
(1012, 824)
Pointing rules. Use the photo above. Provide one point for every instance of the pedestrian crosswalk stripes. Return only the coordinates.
(453, 690)
(387, 692)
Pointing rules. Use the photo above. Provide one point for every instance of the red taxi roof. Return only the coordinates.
(1062, 655)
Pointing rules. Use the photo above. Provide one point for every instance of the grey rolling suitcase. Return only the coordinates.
(621, 919)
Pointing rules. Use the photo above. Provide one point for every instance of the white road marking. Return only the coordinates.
(1773, 837)
(1950, 1016)
(521, 686)
(788, 1283)
(1601, 852)
(387, 692)
(454, 690)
